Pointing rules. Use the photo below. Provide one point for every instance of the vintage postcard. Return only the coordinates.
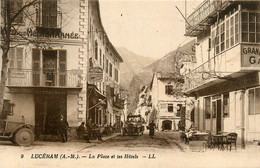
(130, 83)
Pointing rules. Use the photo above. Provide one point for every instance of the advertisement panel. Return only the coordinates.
(250, 57)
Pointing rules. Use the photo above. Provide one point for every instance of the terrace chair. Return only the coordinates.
(231, 139)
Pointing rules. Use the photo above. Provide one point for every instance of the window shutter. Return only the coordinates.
(36, 66)
(62, 66)
(11, 57)
(19, 58)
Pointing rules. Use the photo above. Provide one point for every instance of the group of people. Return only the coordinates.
(92, 130)
(84, 132)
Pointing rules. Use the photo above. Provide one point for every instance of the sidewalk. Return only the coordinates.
(174, 137)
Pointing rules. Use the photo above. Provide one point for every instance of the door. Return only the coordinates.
(50, 67)
(48, 109)
(218, 116)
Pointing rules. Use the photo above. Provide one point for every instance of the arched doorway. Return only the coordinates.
(166, 125)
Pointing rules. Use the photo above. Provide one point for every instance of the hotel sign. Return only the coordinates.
(250, 57)
(96, 74)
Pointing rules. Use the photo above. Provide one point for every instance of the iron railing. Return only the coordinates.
(197, 77)
(203, 11)
(44, 77)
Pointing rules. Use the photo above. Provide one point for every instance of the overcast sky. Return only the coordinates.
(147, 27)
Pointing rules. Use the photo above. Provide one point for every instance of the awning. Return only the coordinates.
(95, 97)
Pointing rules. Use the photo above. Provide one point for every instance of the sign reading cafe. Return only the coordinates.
(250, 57)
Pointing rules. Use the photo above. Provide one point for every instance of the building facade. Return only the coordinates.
(102, 54)
(48, 72)
(225, 80)
(166, 107)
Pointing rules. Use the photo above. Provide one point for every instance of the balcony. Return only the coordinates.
(202, 17)
(119, 103)
(44, 78)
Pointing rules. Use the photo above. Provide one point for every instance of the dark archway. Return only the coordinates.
(167, 125)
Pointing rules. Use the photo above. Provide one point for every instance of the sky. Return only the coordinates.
(149, 28)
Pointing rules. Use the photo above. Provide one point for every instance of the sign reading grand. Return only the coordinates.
(96, 74)
(250, 57)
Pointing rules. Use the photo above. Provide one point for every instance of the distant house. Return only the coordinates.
(166, 107)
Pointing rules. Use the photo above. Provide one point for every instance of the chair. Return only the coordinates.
(231, 139)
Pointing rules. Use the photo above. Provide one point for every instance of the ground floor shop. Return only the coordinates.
(231, 106)
(42, 108)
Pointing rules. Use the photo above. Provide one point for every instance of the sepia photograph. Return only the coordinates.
(130, 83)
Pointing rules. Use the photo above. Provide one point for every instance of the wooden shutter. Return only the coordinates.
(36, 66)
(19, 58)
(11, 58)
(62, 66)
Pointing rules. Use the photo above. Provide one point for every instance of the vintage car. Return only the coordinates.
(133, 125)
(13, 128)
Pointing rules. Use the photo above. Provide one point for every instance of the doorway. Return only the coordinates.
(50, 67)
(166, 125)
(48, 109)
(216, 114)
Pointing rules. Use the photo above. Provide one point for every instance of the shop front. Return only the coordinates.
(231, 106)
(50, 104)
(97, 106)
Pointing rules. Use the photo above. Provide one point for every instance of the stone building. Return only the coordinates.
(103, 55)
(165, 106)
(225, 80)
(49, 77)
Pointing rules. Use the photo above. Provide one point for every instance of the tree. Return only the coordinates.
(11, 11)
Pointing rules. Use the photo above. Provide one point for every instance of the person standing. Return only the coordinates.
(89, 129)
(63, 128)
(151, 129)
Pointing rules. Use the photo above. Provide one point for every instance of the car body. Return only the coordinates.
(133, 125)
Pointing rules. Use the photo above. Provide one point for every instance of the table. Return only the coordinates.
(200, 136)
(219, 140)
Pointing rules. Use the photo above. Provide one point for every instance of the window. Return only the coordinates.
(90, 63)
(49, 13)
(207, 108)
(116, 75)
(250, 27)
(254, 101)
(100, 56)
(226, 105)
(226, 33)
(96, 50)
(179, 110)
(214, 109)
(15, 6)
(16, 58)
(103, 61)
(170, 108)
(110, 69)
(168, 89)
(106, 66)
(222, 36)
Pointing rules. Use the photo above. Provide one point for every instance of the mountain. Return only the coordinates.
(165, 64)
(131, 65)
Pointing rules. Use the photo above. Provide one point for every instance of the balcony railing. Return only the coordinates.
(197, 77)
(44, 78)
(196, 21)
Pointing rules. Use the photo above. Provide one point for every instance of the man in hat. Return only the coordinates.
(63, 128)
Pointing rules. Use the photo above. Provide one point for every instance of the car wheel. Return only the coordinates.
(24, 137)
